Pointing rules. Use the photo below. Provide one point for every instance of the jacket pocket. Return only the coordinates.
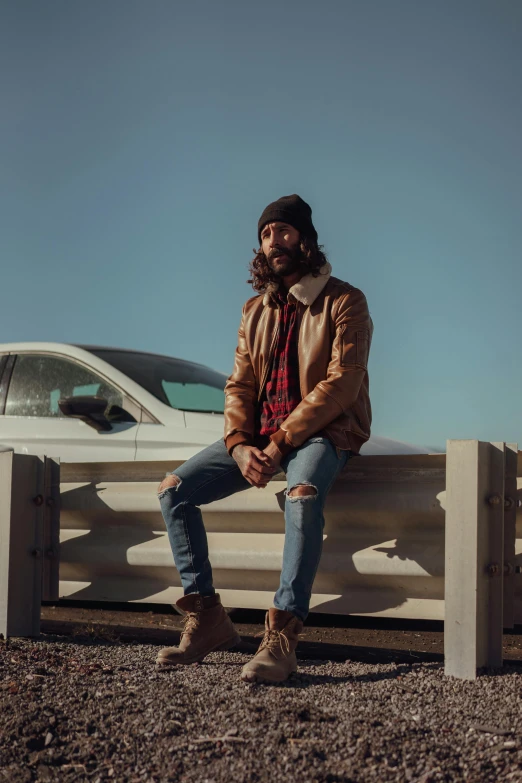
(355, 347)
(356, 424)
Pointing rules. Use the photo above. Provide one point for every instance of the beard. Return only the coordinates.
(285, 261)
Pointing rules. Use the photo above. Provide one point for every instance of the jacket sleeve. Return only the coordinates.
(240, 396)
(346, 371)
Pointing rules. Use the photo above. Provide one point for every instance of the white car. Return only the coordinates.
(94, 404)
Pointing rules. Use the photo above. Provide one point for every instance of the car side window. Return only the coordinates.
(38, 382)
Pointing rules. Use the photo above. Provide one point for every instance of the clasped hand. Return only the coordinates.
(257, 466)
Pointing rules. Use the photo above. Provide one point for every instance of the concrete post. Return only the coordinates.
(510, 523)
(22, 504)
(51, 530)
(474, 556)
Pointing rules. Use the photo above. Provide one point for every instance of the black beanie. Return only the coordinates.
(292, 210)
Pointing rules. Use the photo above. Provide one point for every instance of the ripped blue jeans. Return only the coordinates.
(212, 474)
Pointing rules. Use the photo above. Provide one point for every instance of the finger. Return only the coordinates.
(258, 478)
(255, 475)
(261, 467)
(261, 456)
(268, 470)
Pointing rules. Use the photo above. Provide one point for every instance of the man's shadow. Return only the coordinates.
(95, 549)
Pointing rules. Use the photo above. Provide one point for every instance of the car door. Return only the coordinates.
(32, 423)
(189, 395)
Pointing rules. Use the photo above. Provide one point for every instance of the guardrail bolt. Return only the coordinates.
(50, 553)
(508, 569)
(38, 500)
(49, 502)
(508, 503)
(493, 569)
(36, 552)
(494, 500)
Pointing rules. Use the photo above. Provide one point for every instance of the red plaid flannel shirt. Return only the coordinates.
(282, 393)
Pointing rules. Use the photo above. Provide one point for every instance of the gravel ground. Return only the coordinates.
(90, 709)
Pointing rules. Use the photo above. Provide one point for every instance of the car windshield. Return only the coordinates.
(180, 384)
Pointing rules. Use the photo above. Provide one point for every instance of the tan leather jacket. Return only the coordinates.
(335, 332)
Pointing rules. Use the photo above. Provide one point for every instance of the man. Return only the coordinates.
(297, 400)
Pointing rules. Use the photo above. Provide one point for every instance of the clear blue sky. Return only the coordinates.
(140, 142)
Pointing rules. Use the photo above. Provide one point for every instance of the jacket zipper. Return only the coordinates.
(269, 362)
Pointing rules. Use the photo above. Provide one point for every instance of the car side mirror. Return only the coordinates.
(89, 409)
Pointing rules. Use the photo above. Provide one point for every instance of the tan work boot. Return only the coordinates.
(275, 659)
(207, 628)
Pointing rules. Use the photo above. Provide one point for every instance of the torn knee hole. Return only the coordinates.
(171, 481)
(302, 490)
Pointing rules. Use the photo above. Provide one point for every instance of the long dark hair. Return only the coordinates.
(312, 259)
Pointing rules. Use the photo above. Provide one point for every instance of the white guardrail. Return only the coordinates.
(384, 542)
(383, 550)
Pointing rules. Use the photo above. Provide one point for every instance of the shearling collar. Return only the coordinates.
(306, 290)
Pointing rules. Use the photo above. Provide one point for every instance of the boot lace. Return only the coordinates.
(190, 623)
(272, 640)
